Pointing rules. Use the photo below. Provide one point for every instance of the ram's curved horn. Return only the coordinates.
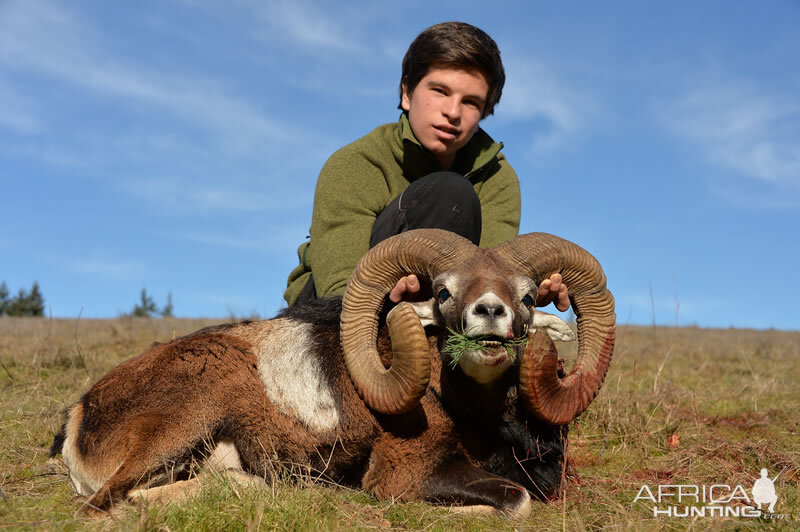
(426, 253)
(554, 400)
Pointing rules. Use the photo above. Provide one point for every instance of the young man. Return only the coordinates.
(434, 168)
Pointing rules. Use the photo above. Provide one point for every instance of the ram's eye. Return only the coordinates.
(527, 300)
(444, 295)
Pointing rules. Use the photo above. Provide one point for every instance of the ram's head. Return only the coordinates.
(484, 299)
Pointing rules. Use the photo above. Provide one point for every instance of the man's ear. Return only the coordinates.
(555, 327)
(405, 99)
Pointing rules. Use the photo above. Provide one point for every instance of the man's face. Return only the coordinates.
(445, 109)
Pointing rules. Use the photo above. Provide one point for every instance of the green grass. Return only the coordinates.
(457, 344)
(731, 396)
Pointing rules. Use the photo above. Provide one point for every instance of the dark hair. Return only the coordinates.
(458, 45)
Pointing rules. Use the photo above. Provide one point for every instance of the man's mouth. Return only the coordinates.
(446, 132)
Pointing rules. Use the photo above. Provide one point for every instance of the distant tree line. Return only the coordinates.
(23, 304)
(32, 304)
(147, 308)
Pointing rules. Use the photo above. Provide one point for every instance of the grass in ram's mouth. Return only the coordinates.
(458, 343)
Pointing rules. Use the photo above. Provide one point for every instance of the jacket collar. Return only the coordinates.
(418, 162)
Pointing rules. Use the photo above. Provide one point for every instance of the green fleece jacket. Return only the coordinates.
(361, 179)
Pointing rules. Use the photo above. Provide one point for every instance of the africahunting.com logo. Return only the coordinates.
(717, 500)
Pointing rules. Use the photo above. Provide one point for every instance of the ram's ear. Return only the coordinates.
(426, 311)
(555, 327)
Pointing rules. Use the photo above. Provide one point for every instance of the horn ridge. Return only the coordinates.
(423, 252)
(554, 400)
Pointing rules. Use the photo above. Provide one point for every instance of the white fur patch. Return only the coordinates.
(425, 312)
(224, 456)
(292, 377)
(476, 323)
(479, 322)
(523, 510)
(556, 328)
(473, 365)
(85, 481)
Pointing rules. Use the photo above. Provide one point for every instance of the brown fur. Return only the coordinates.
(493, 275)
(154, 417)
(137, 416)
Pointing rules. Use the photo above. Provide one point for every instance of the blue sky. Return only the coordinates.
(174, 146)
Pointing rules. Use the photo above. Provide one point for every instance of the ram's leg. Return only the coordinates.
(129, 474)
(152, 447)
(184, 489)
(472, 490)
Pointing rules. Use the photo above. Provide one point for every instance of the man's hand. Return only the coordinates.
(553, 290)
(405, 289)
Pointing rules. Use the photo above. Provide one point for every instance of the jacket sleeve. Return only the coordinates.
(500, 205)
(350, 193)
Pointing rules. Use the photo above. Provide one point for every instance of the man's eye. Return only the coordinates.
(444, 295)
(528, 300)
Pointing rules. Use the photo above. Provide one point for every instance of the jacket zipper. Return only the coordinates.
(474, 172)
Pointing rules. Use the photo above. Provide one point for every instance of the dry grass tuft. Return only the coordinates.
(679, 406)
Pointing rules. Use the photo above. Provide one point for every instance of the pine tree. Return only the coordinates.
(166, 312)
(4, 302)
(16, 306)
(35, 303)
(24, 304)
(146, 307)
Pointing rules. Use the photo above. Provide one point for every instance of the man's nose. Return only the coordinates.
(451, 108)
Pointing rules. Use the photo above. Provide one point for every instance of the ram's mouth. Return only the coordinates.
(494, 349)
(492, 342)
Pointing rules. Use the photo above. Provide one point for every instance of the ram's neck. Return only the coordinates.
(474, 402)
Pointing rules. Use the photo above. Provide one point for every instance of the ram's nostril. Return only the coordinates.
(489, 310)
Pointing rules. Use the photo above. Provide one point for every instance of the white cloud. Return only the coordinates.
(96, 112)
(750, 130)
(307, 25)
(180, 195)
(17, 111)
(97, 264)
(534, 93)
(279, 239)
(67, 49)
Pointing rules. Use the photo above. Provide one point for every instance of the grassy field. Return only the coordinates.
(680, 407)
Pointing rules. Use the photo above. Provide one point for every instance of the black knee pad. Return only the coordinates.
(442, 200)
